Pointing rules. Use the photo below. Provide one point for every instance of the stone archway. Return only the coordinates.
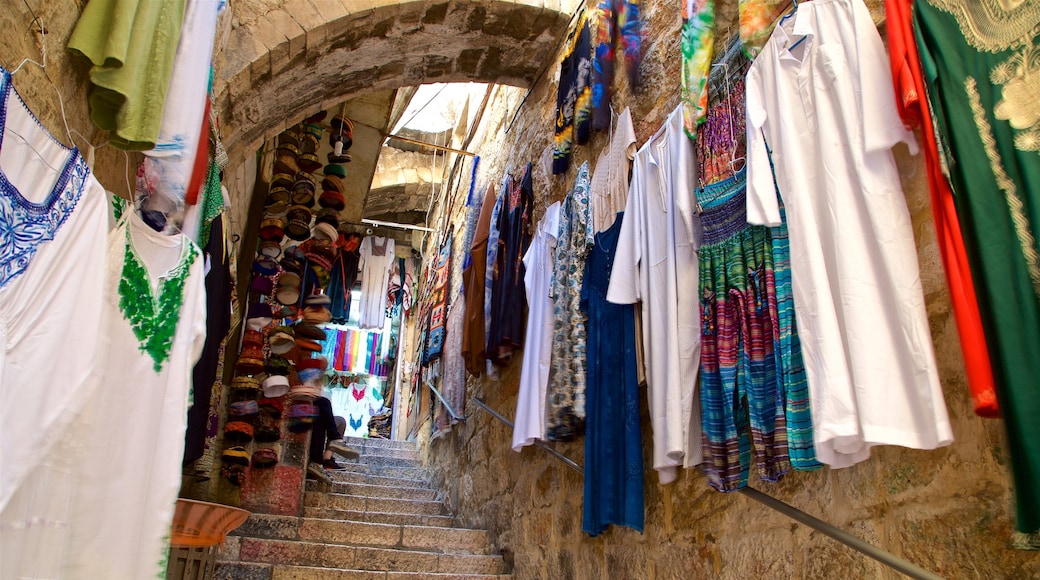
(283, 61)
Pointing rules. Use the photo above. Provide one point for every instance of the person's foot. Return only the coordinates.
(331, 465)
(341, 448)
(314, 468)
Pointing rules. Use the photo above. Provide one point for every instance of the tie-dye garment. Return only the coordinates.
(573, 99)
(698, 42)
(757, 19)
(611, 19)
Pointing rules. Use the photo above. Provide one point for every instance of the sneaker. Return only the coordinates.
(314, 468)
(331, 465)
(339, 447)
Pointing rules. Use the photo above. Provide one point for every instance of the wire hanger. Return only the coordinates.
(43, 66)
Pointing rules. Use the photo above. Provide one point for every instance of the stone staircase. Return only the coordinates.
(380, 520)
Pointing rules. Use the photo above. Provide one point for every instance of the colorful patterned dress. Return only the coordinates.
(698, 42)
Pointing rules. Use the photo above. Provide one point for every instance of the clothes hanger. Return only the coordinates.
(788, 15)
(43, 66)
(733, 159)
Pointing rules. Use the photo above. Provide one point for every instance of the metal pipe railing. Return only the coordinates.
(887, 558)
(447, 406)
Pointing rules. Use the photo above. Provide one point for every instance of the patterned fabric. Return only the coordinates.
(698, 42)
(509, 299)
(757, 20)
(721, 139)
(566, 393)
(573, 99)
(24, 225)
(630, 25)
(439, 303)
(212, 202)
(604, 31)
(473, 203)
(583, 102)
(491, 270)
(741, 399)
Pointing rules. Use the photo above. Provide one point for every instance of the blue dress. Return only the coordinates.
(613, 440)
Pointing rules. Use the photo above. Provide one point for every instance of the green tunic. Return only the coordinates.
(981, 61)
(132, 44)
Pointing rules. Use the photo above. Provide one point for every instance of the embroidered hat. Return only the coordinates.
(258, 323)
(335, 169)
(316, 315)
(245, 383)
(276, 386)
(332, 199)
(243, 410)
(324, 231)
(291, 137)
(235, 455)
(261, 285)
(307, 345)
(272, 229)
(281, 340)
(318, 363)
(289, 280)
(277, 365)
(282, 180)
(268, 431)
(301, 417)
(291, 263)
(287, 295)
(303, 190)
(265, 458)
(309, 162)
(270, 249)
(271, 407)
(265, 266)
(285, 162)
(299, 227)
(304, 392)
(333, 183)
(251, 361)
(238, 432)
(343, 157)
(278, 195)
(309, 331)
(328, 216)
(235, 474)
(317, 300)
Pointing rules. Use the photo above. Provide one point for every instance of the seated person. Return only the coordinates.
(326, 438)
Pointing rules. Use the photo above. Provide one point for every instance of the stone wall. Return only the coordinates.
(947, 510)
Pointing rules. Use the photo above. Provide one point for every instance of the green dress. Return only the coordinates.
(981, 61)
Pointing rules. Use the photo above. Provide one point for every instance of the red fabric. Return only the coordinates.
(913, 108)
(201, 166)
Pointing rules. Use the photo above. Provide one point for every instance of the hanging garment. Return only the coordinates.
(566, 393)
(603, 33)
(741, 394)
(360, 401)
(341, 282)
(218, 323)
(613, 435)
(534, 371)
(132, 45)
(454, 380)
(54, 221)
(656, 265)
(980, 60)
(698, 42)
(608, 188)
(439, 302)
(573, 97)
(914, 110)
(473, 277)
(508, 302)
(757, 20)
(376, 256)
(492, 270)
(156, 309)
(827, 114)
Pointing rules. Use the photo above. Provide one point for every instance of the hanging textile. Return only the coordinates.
(566, 392)
(980, 60)
(529, 423)
(508, 300)
(473, 277)
(757, 20)
(343, 277)
(54, 219)
(608, 187)
(854, 266)
(573, 97)
(913, 108)
(439, 302)
(132, 45)
(377, 254)
(604, 31)
(698, 44)
(492, 270)
(656, 263)
(360, 401)
(139, 417)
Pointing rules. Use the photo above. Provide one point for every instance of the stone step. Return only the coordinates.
(361, 533)
(412, 454)
(394, 491)
(381, 460)
(374, 504)
(368, 479)
(380, 517)
(384, 470)
(365, 558)
(252, 571)
(362, 444)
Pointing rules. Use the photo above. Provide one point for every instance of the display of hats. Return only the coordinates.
(243, 410)
(301, 417)
(304, 392)
(283, 310)
(303, 189)
(318, 363)
(288, 278)
(235, 474)
(250, 361)
(324, 231)
(281, 339)
(236, 455)
(342, 132)
(287, 295)
(335, 169)
(276, 386)
(270, 249)
(316, 118)
(238, 432)
(265, 266)
(259, 310)
(317, 300)
(261, 285)
(245, 383)
(283, 180)
(343, 157)
(277, 365)
(285, 161)
(308, 345)
(271, 406)
(277, 200)
(328, 216)
(291, 137)
(309, 377)
(308, 162)
(268, 431)
(333, 183)
(272, 229)
(316, 315)
(265, 458)
(258, 323)
(291, 263)
(332, 199)
(309, 331)
(299, 226)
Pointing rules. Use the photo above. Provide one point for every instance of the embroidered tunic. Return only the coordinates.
(377, 254)
(981, 60)
(827, 114)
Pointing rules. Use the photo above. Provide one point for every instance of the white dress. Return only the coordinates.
(656, 264)
(357, 403)
(377, 254)
(53, 226)
(530, 423)
(134, 429)
(608, 189)
(827, 112)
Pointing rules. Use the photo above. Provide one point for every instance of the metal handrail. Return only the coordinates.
(887, 558)
(447, 406)
(566, 460)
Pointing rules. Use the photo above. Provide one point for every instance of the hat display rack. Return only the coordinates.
(280, 369)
